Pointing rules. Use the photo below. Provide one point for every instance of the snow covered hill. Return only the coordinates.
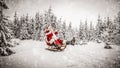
(32, 54)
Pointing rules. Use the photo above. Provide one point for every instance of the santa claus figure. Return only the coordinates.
(51, 36)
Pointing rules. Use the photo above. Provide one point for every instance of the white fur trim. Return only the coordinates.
(55, 37)
(48, 33)
(51, 41)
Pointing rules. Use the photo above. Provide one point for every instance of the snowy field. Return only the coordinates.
(32, 54)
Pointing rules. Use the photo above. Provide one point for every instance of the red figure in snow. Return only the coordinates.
(51, 36)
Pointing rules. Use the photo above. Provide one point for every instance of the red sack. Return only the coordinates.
(59, 42)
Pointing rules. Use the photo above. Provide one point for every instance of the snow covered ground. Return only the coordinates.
(32, 54)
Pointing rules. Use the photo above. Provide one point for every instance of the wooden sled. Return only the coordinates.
(62, 48)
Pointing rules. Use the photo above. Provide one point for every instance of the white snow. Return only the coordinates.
(32, 54)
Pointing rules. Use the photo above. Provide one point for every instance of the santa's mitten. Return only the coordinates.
(60, 41)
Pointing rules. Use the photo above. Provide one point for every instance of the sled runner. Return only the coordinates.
(54, 50)
(57, 49)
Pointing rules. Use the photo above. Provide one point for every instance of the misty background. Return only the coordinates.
(68, 10)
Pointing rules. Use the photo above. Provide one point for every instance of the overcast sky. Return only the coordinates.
(70, 10)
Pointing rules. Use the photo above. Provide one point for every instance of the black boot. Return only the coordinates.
(53, 44)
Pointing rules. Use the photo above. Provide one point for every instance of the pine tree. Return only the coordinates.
(4, 31)
(16, 26)
(91, 26)
(4, 21)
(27, 25)
(41, 30)
(91, 31)
(49, 16)
(69, 31)
(24, 30)
(64, 30)
(99, 28)
(81, 31)
(36, 26)
(118, 22)
(116, 32)
(31, 29)
(86, 30)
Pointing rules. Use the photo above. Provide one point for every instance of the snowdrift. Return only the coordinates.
(32, 54)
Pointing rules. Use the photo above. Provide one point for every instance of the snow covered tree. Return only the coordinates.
(86, 26)
(16, 26)
(69, 32)
(36, 26)
(91, 26)
(4, 24)
(99, 28)
(4, 31)
(70, 26)
(49, 17)
(86, 30)
(41, 26)
(118, 22)
(24, 30)
(114, 30)
(91, 31)
(31, 28)
(64, 30)
(81, 31)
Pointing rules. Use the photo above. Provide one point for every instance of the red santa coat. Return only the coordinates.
(51, 38)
